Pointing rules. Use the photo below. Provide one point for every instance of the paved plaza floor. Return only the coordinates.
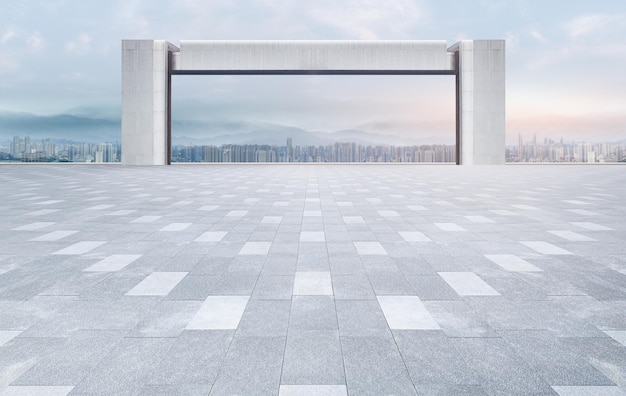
(312, 280)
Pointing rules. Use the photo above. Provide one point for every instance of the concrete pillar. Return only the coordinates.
(145, 102)
(480, 101)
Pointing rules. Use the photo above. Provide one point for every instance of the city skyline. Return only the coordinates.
(563, 63)
(526, 151)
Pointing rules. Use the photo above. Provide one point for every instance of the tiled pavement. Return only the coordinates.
(312, 280)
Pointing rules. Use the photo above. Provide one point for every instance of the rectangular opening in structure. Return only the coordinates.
(313, 118)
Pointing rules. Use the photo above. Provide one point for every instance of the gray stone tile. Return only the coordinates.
(79, 355)
(499, 368)
(166, 319)
(361, 318)
(389, 283)
(21, 354)
(278, 287)
(352, 287)
(605, 354)
(126, 368)
(194, 358)
(431, 287)
(174, 390)
(313, 313)
(265, 318)
(460, 319)
(431, 358)
(313, 357)
(553, 359)
(374, 366)
(252, 367)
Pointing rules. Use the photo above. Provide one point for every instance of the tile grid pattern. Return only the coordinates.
(312, 280)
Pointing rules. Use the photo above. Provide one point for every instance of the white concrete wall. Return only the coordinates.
(144, 102)
(481, 92)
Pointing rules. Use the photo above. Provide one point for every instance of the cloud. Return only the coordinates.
(80, 45)
(7, 36)
(593, 24)
(538, 36)
(368, 19)
(35, 42)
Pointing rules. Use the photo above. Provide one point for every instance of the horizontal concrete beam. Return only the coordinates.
(313, 57)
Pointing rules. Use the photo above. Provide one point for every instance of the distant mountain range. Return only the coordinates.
(60, 126)
(66, 128)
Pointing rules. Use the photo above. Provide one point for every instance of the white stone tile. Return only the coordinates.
(583, 212)
(157, 284)
(208, 207)
(146, 219)
(451, 227)
(36, 390)
(42, 212)
(374, 200)
(211, 236)
(311, 200)
(160, 199)
(468, 284)
(353, 220)
(113, 263)
(219, 313)
(100, 207)
(312, 213)
(80, 247)
(122, 212)
(414, 236)
(591, 226)
(525, 207)
(49, 202)
(406, 313)
(182, 203)
(503, 212)
(369, 248)
(237, 213)
(388, 213)
(572, 236)
(312, 284)
(545, 247)
(175, 227)
(6, 336)
(34, 226)
(417, 208)
(312, 390)
(281, 203)
(345, 203)
(617, 335)
(271, 219)
(512, 263)
(465, 199)
(479, 219)
(589, 390)
(312, 236)
(53, 236)
(255, 248)
(576, 202)
(251, 200)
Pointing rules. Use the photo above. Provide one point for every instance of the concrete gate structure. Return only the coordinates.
(148, 66)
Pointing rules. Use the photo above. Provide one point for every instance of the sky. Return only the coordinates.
(565, 62)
